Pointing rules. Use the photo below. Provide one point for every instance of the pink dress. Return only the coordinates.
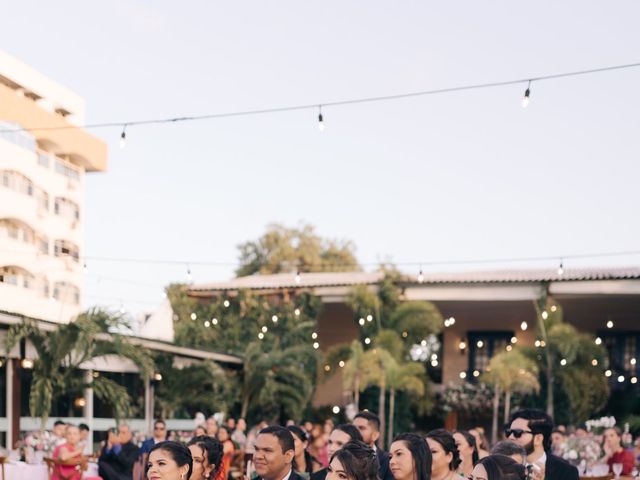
(65, 472)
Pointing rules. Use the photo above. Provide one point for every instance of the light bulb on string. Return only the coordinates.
(420, 276)
(123, 137)
(560, 268)
(297, 278)
(189, 276)
(527, 93)
(320, 119)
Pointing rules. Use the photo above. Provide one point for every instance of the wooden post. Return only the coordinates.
(14, 421)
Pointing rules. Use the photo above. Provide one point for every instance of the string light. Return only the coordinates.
(554, 308)
(632, 361)
(327, 368)
(207, 323)
(123, 137)
(545, 315)
(509, 348)
(524, 326)
(296, 312)
(320, 119)
(361, 321)
(226, 304)
(476, 373)
(563, 362)
(609, 324)
(607, 373)
(274, 319)
(316, 345)
(352, 101)
(634, 380)
(214, 321)
(341, 363)
(194, 316)
(420, 276)
(314, 335)
(367, 340)
(620, 378)
(560, 269)
(265, 329)
(598, 341)
(462, 345)
(463, 375)
(514, 340)
(369, 318)
(260, 335)
(525, 98)
(336, 409)
(297, 278)
(537, 343)
(157, 377)
(594, 362)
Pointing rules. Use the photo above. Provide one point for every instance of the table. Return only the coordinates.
(25, 471)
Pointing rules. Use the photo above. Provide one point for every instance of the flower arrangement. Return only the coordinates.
(474, 398)
(599, 425)
(581, 449)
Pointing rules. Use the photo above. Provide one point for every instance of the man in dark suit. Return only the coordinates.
(368, 423)
(274, 453)
(118, 455)
(532, 429)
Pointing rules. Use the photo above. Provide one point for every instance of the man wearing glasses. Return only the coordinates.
(531, 429)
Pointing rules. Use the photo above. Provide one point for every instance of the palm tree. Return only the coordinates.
(63, 351)
(510, 372)
(402, 377)
(375, 363)
(352, 372)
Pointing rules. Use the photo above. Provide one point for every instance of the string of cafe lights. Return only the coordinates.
(124, 125)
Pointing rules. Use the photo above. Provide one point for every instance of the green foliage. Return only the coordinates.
(389, 341)
(282, 249)
(418, 319)
(61, 353)
(513, 372)
(207, 383)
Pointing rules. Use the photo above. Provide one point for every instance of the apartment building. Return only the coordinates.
(42, 181)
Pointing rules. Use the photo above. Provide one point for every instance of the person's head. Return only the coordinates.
(231, 423)
(499, 467)
(466, 444)
(72, 434)
(510, 449)
(328, 426)
(354, 461)
(206, 453)
(481, 439)
(308, 426)
(59, 428)
(160, 429)
(342, 435)
(613, 438)
(581, 431)
(531, 429)
(368, 423)
(241, 425)
(169, 461)
(444, 453)
(409, 458)
(557, 438)
(274, 452)
(212, 426)
(84, 431)
(300, 439)
(124, 433)
(199, 431)
(224, 433)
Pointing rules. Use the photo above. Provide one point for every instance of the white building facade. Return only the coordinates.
(42, 193)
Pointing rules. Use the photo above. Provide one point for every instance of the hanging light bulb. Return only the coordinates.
(525, 98)
(123, 137)
(420, 276)
(560, 269)
(320, 119)
(189, 276)
(297, 277)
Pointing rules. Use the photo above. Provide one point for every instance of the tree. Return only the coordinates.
(210, 396)
(402, 377)
(63, 351)
(510, 372)
(565, 356)
(282, 249)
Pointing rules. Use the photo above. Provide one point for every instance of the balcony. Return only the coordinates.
(73, 143)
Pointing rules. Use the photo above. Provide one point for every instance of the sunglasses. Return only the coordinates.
(516, 432)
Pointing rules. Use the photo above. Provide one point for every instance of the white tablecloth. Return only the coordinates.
(24, 471)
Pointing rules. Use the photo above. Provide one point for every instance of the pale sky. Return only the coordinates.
(461, 176)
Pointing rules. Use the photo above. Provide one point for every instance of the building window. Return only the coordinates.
(13, 134)
(17, 182)
(64, 248)
(67, 169)
(43, 245)
(66, 292)
(16, 276)
(66, 208)
(43, 160)
(482, 347)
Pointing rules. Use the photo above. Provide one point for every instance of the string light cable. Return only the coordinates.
(383, 98)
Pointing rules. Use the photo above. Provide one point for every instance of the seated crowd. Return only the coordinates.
(530, 450)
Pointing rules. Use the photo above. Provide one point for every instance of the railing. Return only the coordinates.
(67, 169)
(21, 138)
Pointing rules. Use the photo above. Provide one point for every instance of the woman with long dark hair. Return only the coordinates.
(409, 458)
(499, 467)
(303, 462)
(445, 457)
(169, 461)
(354, 461)
(468, 450)
(206, 453)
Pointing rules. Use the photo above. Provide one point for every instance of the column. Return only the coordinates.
(87, 410)
(148, 404)
(9, 403)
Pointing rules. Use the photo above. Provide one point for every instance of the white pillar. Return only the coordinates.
(148, 405)
(88, 404)
(9, 403)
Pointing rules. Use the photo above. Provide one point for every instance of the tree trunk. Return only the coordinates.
(496, 407)
(381, 413)
(507, 405)
(392, 406)
(549, 387)
(245, 407)
(356, 391)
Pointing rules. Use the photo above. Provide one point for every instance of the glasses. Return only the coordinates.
(516, 432)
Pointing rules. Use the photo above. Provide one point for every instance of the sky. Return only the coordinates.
(453, 177)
